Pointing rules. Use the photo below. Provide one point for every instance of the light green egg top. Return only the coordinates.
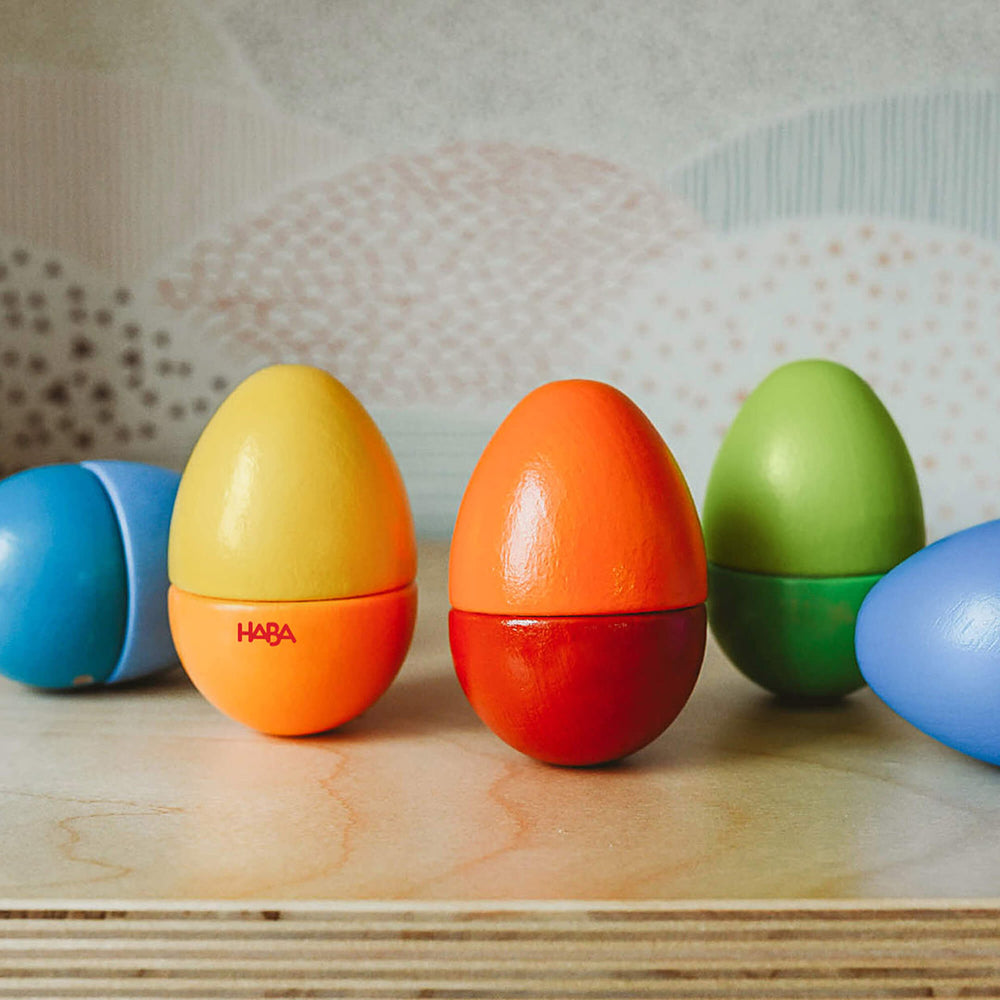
(813, 479)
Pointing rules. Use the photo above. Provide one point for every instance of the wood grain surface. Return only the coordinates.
(150, 846)
(544, 951)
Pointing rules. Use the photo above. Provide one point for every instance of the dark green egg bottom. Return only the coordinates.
(793, 635)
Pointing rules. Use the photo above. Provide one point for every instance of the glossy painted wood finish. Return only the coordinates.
(291, 494)
(586, 690)
(291, 668)
(576, 507)
(812, 478)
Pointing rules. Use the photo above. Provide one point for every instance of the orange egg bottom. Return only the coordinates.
(289, 668)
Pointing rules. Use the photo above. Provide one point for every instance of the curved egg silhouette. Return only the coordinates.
(83, 573)
(292, 556)
(812, 498)
(928, 640)
(577, 579)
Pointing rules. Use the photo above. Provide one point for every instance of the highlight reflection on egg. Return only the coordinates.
(83, 573)
(292, 556)
(812, 498)
(928, 640)
(577, 579)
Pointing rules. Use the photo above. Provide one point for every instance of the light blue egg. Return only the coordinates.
(83, 574)
(928, 640)
(143, 499)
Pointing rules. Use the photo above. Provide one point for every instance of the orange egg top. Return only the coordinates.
(576, 507)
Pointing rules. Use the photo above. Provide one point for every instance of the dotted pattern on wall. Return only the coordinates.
(912, 308)
(442, 287)
(83, 375)
(473, 273)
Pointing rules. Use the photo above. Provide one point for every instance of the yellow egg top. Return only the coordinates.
(291, 494)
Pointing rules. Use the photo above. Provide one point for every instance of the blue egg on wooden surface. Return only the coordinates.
(928, 640)
(83, 573)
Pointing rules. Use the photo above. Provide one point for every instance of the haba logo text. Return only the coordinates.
(271, 632)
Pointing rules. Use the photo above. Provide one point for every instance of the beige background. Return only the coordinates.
(446, 203)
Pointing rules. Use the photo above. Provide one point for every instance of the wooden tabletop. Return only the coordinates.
(144, 804)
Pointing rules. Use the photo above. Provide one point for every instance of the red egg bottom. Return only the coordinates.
(578, 690)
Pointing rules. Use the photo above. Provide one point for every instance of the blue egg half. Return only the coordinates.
(83, 573)
(928, 640)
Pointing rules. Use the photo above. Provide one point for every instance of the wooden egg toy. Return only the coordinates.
(577, 579)
(928, 640)
(83, 573)
(812, 498)
(292, 556)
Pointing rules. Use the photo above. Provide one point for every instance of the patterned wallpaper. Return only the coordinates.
(446, 204)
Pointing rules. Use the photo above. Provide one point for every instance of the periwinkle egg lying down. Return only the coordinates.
(928, 640)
